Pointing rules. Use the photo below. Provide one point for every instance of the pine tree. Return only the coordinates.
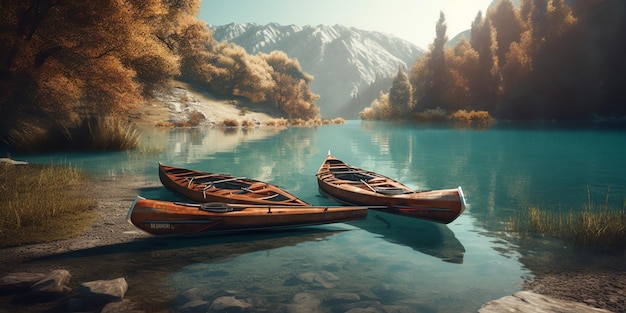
(400, 94)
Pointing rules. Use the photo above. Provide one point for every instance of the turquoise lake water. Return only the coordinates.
(420, 265)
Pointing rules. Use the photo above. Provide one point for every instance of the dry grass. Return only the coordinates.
(104, 134)
(277, 122)
(43, 203)
(112, 134)
(594, 225)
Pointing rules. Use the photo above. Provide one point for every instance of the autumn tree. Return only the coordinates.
(65, 61)
(291, 93)
(462, 66)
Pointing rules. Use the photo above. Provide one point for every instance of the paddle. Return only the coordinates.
(216, 207)
(407, 207)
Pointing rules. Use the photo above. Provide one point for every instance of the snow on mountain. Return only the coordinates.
(346, 62)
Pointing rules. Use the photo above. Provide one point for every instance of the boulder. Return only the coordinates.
(104, 290)
(526, 301)
(17, 282)
(55, 283)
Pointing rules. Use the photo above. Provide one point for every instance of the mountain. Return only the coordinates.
(350, 66)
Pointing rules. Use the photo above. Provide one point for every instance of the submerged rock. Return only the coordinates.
(195, 306)
(526, 301)
(230, 304)
(305, 302)
(322, 279)
(124, 306)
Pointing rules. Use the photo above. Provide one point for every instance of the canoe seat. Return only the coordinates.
(390, 190)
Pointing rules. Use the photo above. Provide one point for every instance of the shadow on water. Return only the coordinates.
(426, 237)
(147, 264)
(150, 259)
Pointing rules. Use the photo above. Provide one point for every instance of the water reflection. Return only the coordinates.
(501, 171)
(426, 237)
(148, 263)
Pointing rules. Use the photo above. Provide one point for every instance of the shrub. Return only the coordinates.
(432, 115)
(229, 122)
(472, 118)
(195, 117)
(248, 123)
(277, 122)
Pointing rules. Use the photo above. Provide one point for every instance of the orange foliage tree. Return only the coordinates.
(291, 93)
(62, 62)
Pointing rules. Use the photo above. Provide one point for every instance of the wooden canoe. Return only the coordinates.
(354, 186)
(210, 187)
(172, 218)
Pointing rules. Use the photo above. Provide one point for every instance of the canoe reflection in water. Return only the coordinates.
(427, 237)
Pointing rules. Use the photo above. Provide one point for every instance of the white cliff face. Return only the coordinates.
(344, 61)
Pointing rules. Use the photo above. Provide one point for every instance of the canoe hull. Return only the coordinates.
(442, 206)
(210, 187)
(167, 218)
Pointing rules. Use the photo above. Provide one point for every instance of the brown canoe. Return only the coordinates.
(210, 187)
(354, 186)
(169, 218)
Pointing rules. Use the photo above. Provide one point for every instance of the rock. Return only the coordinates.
(390, 293)
(104, 290)
(14, 162)
(323, 279)
(192, 294)
(305, 303)
(196, 306)
(526, 301)
(230, 304)
(344, 297)
(55, 283)
(366, 310)
(19, 281)
(124, 306)
(362, 306)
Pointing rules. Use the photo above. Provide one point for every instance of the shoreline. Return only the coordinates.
(604, 289)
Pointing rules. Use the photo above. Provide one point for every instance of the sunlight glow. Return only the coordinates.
(412, 20)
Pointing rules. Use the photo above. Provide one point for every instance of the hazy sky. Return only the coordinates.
(413, 20)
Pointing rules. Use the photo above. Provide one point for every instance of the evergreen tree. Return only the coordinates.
(437, 66)
(400, 94)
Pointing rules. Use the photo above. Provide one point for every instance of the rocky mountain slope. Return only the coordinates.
(350, 66)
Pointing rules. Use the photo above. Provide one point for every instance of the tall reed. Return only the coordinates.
(593, 225)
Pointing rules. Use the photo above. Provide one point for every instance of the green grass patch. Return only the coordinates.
(594, 225)
(43, 203)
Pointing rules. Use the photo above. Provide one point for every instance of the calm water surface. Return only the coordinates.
(424, 266)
